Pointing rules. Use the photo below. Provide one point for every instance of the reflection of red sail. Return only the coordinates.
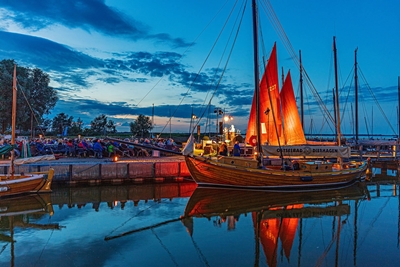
(268, 233)
(288, 231)
(269, 82)
(271, 229)
(294, 134)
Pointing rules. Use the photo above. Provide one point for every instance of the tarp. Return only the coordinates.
(5, 149)
(34, 159)
(308, 151)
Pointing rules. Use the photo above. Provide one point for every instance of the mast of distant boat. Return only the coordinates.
(356, 91)
(398, 112)
(13, 118)
(339, 134)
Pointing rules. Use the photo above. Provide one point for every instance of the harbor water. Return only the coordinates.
(178, 224)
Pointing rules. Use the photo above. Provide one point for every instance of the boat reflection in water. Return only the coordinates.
(21, 212)
(277, 216)
(141, 225)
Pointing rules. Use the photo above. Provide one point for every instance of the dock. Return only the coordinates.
(73, 170)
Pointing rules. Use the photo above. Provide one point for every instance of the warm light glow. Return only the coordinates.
(228, 118)
(115, 159)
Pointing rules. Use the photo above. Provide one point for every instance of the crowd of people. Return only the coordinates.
(86, 147)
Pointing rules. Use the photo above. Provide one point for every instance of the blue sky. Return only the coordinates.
(119, 57)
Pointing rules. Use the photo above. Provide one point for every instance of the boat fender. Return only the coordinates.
(306, 178)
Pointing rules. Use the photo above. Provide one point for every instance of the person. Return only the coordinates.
(98, 149)
(223, 149)
(236, 149)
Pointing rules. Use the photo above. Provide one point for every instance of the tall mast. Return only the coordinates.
(334, 109)
(356, 91)
(339, 134)
(256, 75)
(13, 118)
(398, 99)
(301, 92)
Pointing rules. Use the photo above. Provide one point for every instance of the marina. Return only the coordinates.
(166, 224)
(262, 165)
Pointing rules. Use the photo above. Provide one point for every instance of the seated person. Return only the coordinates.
(223, 149)
(98, 148)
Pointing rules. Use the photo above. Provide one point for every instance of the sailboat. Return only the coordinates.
(301, 174)
(22, 183)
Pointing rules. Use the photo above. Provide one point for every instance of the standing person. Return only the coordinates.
(236, 149)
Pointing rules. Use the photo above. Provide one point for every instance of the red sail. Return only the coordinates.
(269, 105)
(293, 130)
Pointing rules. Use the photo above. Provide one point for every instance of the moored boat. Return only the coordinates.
(293, 173)
(16, 184)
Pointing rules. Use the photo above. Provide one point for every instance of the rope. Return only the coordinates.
(198, 75)
(377, 102)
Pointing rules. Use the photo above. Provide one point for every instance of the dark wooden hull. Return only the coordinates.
(208, 202)
(26, 184)
(210, 172)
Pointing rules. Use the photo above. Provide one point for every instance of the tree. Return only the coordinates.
(111, 127)
(98, 125)
(76, 127)
(61, 121)
(35, 97)
(141, 126)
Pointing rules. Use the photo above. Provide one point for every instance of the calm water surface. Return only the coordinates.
(174, 224)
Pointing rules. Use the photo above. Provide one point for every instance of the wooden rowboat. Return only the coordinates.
(18, 184)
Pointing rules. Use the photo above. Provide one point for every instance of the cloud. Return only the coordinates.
(74, 70)
(89, 15)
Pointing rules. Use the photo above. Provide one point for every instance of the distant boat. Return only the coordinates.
(303, 174)
(23, 183)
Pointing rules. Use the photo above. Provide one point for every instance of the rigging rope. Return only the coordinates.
(199, 72)
(268, 9)
(226, 63)
(376, 101)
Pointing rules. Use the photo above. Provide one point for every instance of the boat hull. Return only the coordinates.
(26, 184)
(210, 172)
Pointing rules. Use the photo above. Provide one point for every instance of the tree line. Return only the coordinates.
(36, 98)
(64, 124)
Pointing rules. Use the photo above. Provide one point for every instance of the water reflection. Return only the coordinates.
(177, 224)
(276, 216)
(22, 212)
